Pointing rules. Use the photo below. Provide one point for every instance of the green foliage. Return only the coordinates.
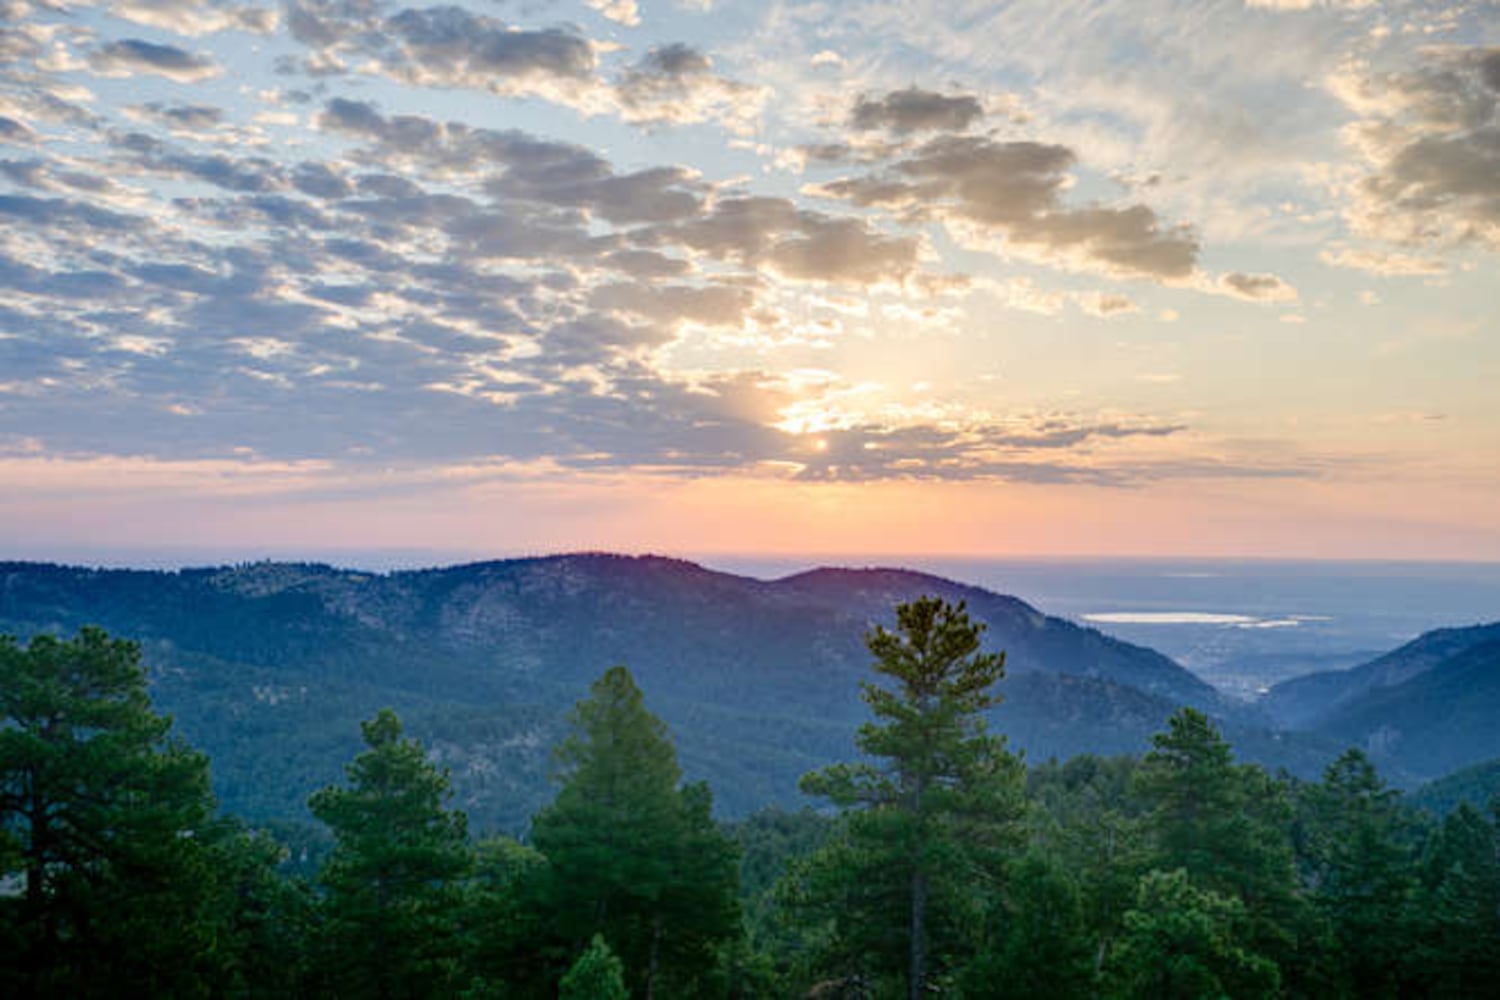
(597, 975)
(1182, 874)
(392, 882)
(1182, 941)
(771, 841)
(506, 912)
(107, 821)
(1036, 939)
(1087, 820)
(1460, 933)
(631, 855)
(1358, 865)
(771, 837)
(261, 919)
(930, 820)
(1227, 826)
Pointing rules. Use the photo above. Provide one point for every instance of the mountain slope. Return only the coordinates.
(269, 667)
(1299, 703)
(1478, 784)
(1439, 720)
(1032, 641)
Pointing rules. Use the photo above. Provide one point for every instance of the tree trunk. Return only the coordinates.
(1100, 955)
(655, 950)
(40, 951)
(917, 974)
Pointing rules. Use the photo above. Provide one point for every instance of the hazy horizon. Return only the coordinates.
(765, 566)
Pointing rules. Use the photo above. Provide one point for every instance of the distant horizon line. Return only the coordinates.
(411, 558)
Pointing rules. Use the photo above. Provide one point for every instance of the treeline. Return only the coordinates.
(937, 866)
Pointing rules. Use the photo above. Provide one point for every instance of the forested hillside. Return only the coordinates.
(1475, 785)
(1422, 710)
(1303, 701)
(1436, 722)
(940, 866)
(271, 667)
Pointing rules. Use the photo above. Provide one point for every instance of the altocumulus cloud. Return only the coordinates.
(916, 110)
(990, 192)
(1429, 138)
(676, 84)
(355, 263)
(133, 55)
(196, 17)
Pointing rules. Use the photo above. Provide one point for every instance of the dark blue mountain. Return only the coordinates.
(1304, 701)
(270, 666)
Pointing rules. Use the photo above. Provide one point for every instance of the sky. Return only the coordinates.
(938, 277)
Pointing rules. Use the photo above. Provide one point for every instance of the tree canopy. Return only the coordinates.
(943, 869)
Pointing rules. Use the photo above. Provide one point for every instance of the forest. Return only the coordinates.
(935, 862)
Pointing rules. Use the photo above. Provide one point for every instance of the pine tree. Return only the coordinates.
(631, 855)
(929, 826)
(508, 942)
(106, 818)
(1183, 942)
(1227, 826)
(1461, 882)
(259, 919)
(392, 883)
(1087, 820)
(1360, 873)
(597, 975)
(1038, 944)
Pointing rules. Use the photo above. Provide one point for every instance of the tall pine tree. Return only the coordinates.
(931, 819)
(1227, 826)
(392, 882)
(631, 855)
(1360, 872)
(106, 817)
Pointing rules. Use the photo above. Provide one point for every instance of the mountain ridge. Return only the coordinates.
(1302, 701)
(1437, 721)
(269, 666)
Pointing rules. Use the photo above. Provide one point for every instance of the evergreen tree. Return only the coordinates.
(392, 882)
(1227, 826)
(1037, 943)
(105, 817)
(1183, 942)
(929, 826)
(510, 950)
(597, 975)
(631, 855)
(1087, 820)
(1461, 879)
(1360, 872)
(260, 920)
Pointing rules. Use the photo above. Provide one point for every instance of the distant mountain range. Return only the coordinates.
(1302, 701)
(270, 666)
(1478, 784)
(1427, 708)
